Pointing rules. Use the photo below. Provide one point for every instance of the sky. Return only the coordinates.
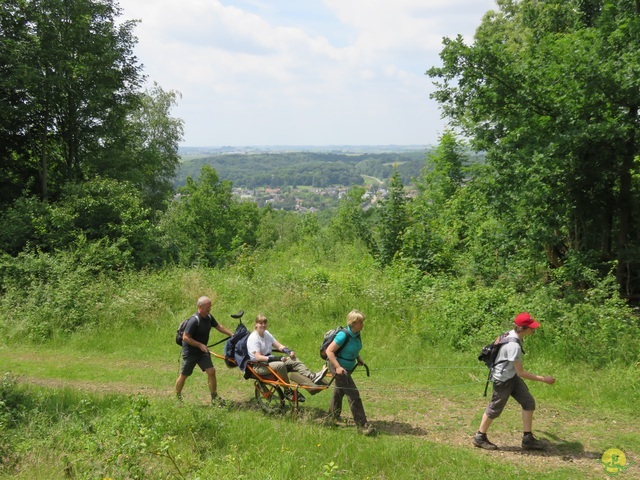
(300, 72)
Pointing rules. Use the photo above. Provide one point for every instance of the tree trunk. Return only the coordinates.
(624, 207)
(44, 167)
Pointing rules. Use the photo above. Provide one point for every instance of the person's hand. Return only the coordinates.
(548, 379)
(204, 348)
(291, 353)
(340, 371)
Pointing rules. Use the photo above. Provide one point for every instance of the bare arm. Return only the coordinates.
(331, 356)
(522, 373)
(260, 357)
(224, 330)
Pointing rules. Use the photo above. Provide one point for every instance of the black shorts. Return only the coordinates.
(190, 360)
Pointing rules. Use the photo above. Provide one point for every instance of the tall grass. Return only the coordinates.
(306, 290)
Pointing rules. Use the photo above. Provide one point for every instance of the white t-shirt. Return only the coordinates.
(262, 345)
(509, 353)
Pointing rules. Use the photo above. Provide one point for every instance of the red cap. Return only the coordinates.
(524, 320)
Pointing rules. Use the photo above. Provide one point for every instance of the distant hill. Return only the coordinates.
(279, 166)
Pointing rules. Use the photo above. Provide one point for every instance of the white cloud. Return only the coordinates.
(300, 72)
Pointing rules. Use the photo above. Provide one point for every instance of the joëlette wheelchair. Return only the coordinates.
(270, 388)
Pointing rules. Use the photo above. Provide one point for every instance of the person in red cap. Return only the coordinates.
(507, 376)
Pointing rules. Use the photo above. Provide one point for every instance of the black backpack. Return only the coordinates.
(489, 354)
(328, 338)
(182, 328)
(235, 350)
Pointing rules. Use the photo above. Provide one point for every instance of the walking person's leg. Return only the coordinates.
(206, 364)
(186, 369)
(212, 382)
(523, 396)
(180, 385)
(340, 382)
(357, 408)
(501, 393)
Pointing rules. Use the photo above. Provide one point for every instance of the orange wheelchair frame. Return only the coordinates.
(269, 389)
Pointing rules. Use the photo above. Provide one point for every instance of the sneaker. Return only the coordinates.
(179, 397)
(288, 394)
(530, 442)
(216, 401)
(367, 430)
(480, 440)
(317, 377)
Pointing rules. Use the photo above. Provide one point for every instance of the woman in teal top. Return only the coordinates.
(344, 354)
(349, 350)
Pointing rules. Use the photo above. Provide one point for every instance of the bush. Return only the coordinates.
(45, 294)
(22, 224)
(595, 324)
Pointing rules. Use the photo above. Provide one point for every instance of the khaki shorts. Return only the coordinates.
(514, 387)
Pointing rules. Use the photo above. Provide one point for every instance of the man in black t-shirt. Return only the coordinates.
(195, 350)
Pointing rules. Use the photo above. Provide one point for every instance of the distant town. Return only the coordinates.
(308, 199)
(305, 179)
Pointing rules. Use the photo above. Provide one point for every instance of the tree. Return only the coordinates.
(393, 220)
(351, 223)
(423, 241)
(73, 118)
(71, 79)
(550, 90)
(146, 151)
(100, 211)
(14, 39)
(444, 173)
(205, 225)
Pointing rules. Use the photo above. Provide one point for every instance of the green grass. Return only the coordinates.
(78, 412)
(368, 180)
(425, 412)
(117, 437)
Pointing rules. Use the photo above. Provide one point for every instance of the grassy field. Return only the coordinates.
(99, 403)
(368, 180)
(105, 402)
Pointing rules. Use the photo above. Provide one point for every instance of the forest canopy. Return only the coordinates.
(533, 193)
(550, 90)
(314, 169)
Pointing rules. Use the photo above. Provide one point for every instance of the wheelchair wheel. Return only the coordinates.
(269, 397)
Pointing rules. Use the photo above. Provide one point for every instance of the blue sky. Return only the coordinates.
(301, 72)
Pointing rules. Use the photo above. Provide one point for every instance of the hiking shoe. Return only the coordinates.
(530, 442)
(480, 440)
(367, 430)
(317, 377)
(288, 394)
